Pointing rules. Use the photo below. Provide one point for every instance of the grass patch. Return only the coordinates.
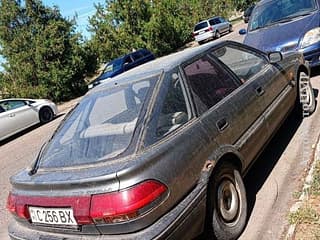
(315, 186)
(305, 214)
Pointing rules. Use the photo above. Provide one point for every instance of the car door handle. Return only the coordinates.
(222, 124)
(259, 91)
(12, 115)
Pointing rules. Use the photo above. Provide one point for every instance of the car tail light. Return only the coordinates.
(127, 204)
(16, 207)
(99, 208)
(210, 28)
(195, 34)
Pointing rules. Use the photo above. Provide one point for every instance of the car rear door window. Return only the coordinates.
(174, 112)
(212, 22)
(209, 83)
(137, 55)
(243, 63)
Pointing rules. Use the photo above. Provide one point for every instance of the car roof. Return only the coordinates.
(157, 66)
(144, 50)
(19, 99)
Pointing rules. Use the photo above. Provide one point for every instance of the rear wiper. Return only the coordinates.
(35, 165)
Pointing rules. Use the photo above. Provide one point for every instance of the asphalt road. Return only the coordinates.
(271, 183)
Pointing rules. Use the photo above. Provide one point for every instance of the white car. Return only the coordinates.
(210, 29)
(17, 114)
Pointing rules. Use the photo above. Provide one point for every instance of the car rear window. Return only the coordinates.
(100, 127)
(200, 26)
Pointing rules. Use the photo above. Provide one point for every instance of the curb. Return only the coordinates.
(305, 190)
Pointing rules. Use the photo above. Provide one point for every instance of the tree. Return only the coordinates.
(44, 57)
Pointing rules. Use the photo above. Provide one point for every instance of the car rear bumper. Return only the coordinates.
(185, 221)
(204, 36)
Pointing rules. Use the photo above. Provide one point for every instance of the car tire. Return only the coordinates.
(217, 35)
(226, 204)
(230, 29)
(45, 114)
(306, 103)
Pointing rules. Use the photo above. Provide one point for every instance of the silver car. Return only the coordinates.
(19, 114)
(210, 29)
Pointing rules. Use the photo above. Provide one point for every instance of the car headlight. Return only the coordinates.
(311, 37)
(90, 86)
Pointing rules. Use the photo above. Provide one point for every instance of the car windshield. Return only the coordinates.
(99, 128)
(279, 11)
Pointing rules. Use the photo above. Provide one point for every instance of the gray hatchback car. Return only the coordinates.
(160, 151)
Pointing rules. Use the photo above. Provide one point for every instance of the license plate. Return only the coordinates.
(54, 216)
(201, 32)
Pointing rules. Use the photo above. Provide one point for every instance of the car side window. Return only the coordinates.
(217, 21)
(137, 55)
(244, 63)
(1, 109)
(127, 60)
(211, 22)
(209, 83)
(174, 112)
(13, 104)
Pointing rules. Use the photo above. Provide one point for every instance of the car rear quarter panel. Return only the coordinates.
(177, 161)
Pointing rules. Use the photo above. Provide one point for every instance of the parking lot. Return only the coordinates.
(270, 184)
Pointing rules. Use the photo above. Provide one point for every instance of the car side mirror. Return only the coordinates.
(275, 57)
(242, 31)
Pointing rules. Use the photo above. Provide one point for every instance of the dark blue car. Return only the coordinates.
(286, 25)
(122, 64)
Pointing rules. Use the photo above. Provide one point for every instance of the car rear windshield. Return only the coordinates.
(280, 11)
(200, 26)
(99, 128)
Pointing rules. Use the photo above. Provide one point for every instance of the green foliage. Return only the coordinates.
(44, 57)
(162, 26)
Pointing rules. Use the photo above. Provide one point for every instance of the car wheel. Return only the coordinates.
(230, 28)
(45, 115)
(306, 102)
(227, 203)
(217, 35)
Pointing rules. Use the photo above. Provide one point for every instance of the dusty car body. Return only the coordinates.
(159, 152)
(17, 114)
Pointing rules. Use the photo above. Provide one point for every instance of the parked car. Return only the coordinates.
(210, 29)
(286, 25)
(122, 64)
(160, 151)
(17, 114)
(247, 13)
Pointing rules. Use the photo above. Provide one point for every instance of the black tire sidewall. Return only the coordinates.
(216, 227)
(42, 112)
